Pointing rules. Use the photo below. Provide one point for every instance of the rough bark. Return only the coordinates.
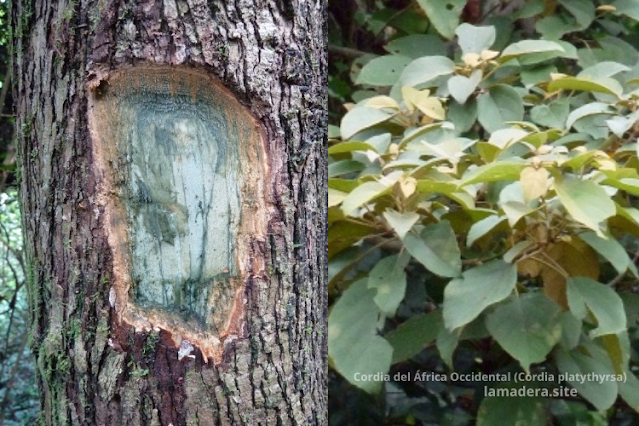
(94, 367)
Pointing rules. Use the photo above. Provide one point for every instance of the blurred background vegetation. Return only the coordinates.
(19, 402)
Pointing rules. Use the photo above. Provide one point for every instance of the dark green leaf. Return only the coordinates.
(467, 297)
(383, 71)
(500, 105)
(527, 327)
(588, 296)
(436, 248)
(412, 336)
(352, 327)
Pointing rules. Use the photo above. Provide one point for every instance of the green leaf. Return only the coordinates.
(515, 210)
(361, 195)
(360, 118)
(516, 250)
(570, 330)
(553, 115)
(527, 47)
(511, 409)
(610, 249)
(352, 328)
(467, 297)
(443, 14)
(554, 27)
(461, 87)
(412, 336)
(350, 147)
(388, 277)
(342, 235)
(500, 105)
(601, 85)
(383, 71)
(603, 69)
(339, 168)
(526, 327)
(436, 248)
(586, 201)
(582, 10)
(462, 116)
(425, 69)
(630, 8)
(588, 296)
(401, 222)
(593, 360)
(474, 39)
(629, 390)
(447, 342)
(417, 45)
(620, 125)
(587, 110)
(494, 172)
(482, 227)
(539, 74)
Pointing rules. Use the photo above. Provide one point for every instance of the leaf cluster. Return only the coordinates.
(482, 200)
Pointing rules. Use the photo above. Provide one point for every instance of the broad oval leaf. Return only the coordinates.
(417, 45)
(610, 249)
(511, 409)
(443, 15)
(436, 248)
(527, 327)
(350, 147)
(363, 194)
(467, 297)
(360, 118)
(388, 277)
(494, 172)
(586, 201)
(474, 39)
(461, 87)
(383, 71)
(401, 222)
(483, 227)
(575, 364)
(412, 336)
(497, 107)
(527, 47)
(426, 69)
(601, 85)
(352, 328)
(587, 110)
(589, 296)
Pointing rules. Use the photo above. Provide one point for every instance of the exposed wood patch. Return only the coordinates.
(182, 172)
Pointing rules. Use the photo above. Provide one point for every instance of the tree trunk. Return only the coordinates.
(173, 179)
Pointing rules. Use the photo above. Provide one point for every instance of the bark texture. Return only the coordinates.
(93, 368)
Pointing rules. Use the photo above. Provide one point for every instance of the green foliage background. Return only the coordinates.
(19, 404)
(483, 211)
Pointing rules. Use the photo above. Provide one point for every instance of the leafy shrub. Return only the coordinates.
(482, 217)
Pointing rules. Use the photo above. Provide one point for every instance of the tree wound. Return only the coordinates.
(181, 168)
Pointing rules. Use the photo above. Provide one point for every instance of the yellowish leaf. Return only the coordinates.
(472, 59)
(335, 197)
(534, 182)
(407, 186)
(382, 102)
(487, 55)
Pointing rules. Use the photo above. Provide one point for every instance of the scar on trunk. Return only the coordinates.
(182, 174)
